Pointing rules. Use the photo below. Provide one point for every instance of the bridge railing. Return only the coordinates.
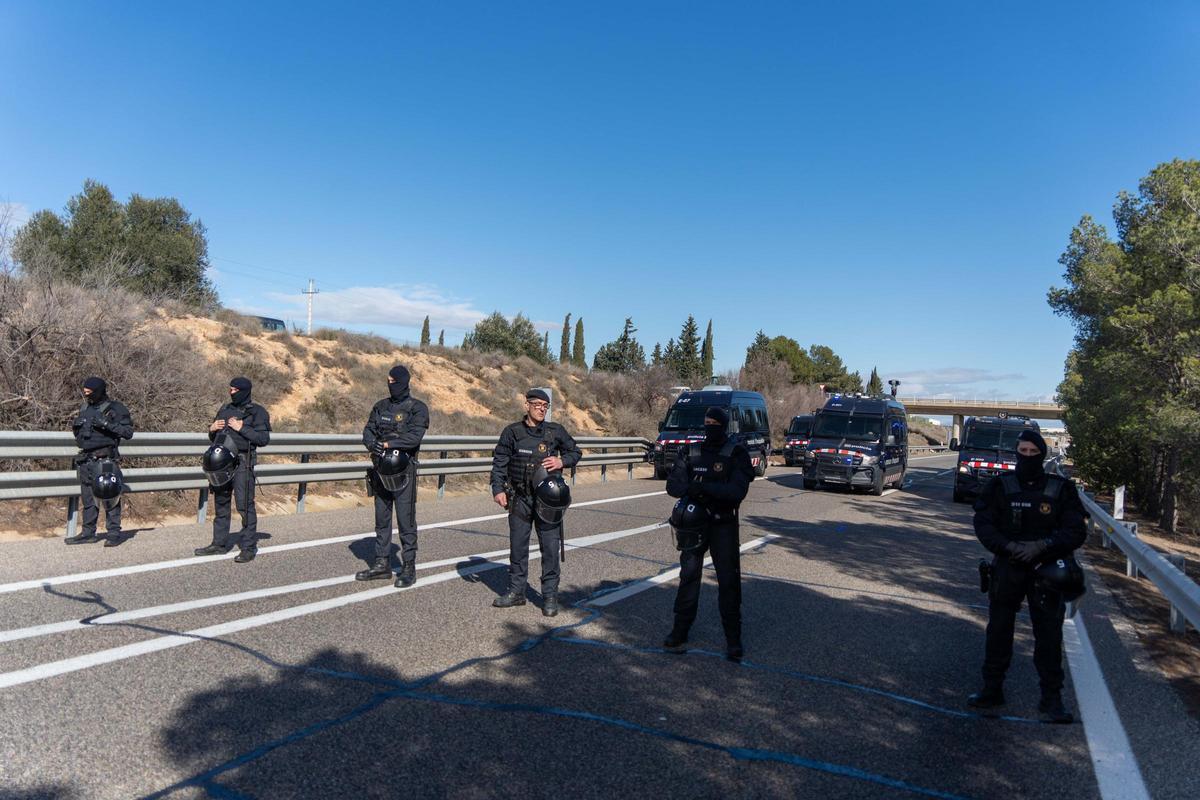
(1165, 572)
(599, 451)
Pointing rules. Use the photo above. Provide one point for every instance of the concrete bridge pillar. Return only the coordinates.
(956, 427)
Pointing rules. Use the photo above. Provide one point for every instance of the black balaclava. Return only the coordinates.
(99, 390)
(1030, 468)
(242, 395)
(715, 434)
(398, 389)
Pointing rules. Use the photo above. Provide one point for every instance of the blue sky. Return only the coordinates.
(893, 180)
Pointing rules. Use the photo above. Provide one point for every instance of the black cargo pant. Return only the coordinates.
(1012, 583)
(241, 490)
(88, 469)
(521, 520)
(405, 504)
(723, 542)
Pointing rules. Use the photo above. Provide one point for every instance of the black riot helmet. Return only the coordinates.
(391, 467)
(107, 483)
(1062, 576)
(689, 521)
(219, 462)
(551, 495)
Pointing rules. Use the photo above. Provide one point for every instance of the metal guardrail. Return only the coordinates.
(1181, 592)
(41, 445)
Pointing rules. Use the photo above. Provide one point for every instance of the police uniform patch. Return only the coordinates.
(1045, 508)
(400, 417)
(717, 467)
(541, 447)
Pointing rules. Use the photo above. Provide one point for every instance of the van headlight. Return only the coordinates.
(870, 461)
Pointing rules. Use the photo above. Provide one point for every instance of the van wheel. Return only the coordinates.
(877, 487)
(761, 469)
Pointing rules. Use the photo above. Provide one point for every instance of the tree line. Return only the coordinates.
(1131, 389)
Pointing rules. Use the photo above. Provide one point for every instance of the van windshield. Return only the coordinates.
(800, 427)
(992, 437)
(844, 426)
(685, 418)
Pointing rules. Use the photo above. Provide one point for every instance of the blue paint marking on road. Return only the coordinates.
(206, 781)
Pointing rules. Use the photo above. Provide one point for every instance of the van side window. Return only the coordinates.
(763, 425)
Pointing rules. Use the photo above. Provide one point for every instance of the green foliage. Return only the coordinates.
(564, 348)
(656, 358)
(442, 338)
(683, 357)
(874, 384)
(578, 354)
(706, 353)
(494, 333)
(759, 348)
(425, 332)
(150, 246)
(622, 355)
(1132, 383)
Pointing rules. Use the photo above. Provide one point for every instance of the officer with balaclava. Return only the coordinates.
(716, 473)
(398, 422)
(99, 427)
(1025, 518)
(244, 426)
(527, 452)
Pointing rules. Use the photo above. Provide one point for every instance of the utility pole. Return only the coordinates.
(311, 291)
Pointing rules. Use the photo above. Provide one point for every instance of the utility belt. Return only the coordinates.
(725, 516)
(99, 454)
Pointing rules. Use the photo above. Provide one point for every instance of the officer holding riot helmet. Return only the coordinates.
(711, 479)
(99, 427)
(393, 434)
(1032, 522)
(239, 429)
(527, 465)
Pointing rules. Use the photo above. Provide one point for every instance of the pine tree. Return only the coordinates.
(623, 355)
(706, 353)
(442, 338)
(578, 357)
(684, 355)
(425, 332)
(656, 358)
(760, 348)
(874, 384)
(564, 350)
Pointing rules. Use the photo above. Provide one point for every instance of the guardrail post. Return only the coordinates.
(302, 489)
(629, 471)
(603, 467)
(1131, 570)
(72, 514)
(202, 506)
(1177, 622)
(441, 479)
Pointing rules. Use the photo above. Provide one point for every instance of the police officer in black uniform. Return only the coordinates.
(398, 422)
(245, 426)
(99, 427)
(524, 447)
(717, 474)
(1027, 518)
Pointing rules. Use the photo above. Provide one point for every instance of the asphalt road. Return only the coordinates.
(140, 671)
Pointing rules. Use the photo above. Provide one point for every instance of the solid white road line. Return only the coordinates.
(67, 665)
(1115, 766)
(663, 577)
(134, 569)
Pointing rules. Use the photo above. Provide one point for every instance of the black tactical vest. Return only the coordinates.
(528, 452)
(86, 436)
(392, 419)
(1032, 513)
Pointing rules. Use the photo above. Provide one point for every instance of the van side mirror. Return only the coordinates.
(954, 444)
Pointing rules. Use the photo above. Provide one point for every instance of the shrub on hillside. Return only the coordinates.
(369, 343)
(270, 384)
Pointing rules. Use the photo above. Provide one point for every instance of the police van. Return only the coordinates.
(795, 441)
(684, 424)
(988, 448)
(858, 442)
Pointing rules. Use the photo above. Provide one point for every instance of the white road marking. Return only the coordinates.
(663, 577)
(1116, 768)
(67, 665)
(134, 569)
(886, 492)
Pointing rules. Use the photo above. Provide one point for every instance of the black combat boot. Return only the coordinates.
(1052, 709)
(408, 575)
(113, 539)
(733, 642)
(81, 538)
(209, 550)
(509, 599)
(675, 641)
(990, 696)
(550, 605)
(380, 568)
(246, 555)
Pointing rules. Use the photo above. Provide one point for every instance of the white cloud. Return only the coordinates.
(405, 306)
(954, 382)
(15, 214)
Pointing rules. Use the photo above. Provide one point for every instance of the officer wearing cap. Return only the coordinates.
(1026, 518)
(397, 422)
(525, 446)
(99, 427)
(717, 474)
(244, 426)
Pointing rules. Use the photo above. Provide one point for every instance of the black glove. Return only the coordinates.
(377, 448)
(695, 491)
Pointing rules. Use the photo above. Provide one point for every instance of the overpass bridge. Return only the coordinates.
(141, 671)
(960, 409)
